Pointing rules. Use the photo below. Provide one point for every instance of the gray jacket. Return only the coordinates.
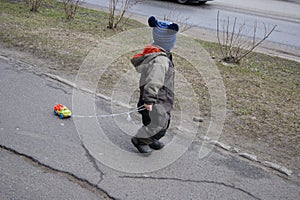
(157, 79)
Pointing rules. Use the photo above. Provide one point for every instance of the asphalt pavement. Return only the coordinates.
(44, 157)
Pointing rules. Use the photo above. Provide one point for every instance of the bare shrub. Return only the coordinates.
(174, 16)
(70, 7)
(34, 4)
(115, 14)
(234, 46)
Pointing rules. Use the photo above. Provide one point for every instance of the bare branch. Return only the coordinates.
(218, 33)
(258, 43)
(115, 17)
(70, 7)
(233, 45)
(254, 33)
(34, 4)
(232, 36)
(175, 16)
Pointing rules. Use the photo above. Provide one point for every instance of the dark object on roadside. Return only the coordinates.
(192, 1)
(198, 119)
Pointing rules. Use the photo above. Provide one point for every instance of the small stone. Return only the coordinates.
(248, 156)
(128, 118)
(234, 150)
(198, 119)
(206, 138)
(62, 124)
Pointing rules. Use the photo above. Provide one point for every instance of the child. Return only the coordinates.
(156, 85)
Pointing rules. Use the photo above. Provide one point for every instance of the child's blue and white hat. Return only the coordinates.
(164, 33)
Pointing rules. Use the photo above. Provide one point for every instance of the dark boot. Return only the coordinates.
(156, 145)
(142, 148)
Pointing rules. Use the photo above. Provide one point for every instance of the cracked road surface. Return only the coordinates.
(42, 156)
(24, 178)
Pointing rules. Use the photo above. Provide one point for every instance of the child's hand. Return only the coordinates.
(148, 107)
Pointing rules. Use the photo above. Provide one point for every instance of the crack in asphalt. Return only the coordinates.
(93, 161)
(58, 87)
(85, 184)
(193, 181)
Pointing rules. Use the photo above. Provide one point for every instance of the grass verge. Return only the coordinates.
(47, 34)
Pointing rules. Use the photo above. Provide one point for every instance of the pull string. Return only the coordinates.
(115, 114)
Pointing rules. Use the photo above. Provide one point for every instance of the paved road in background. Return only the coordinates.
(284, 14)
(43, 157)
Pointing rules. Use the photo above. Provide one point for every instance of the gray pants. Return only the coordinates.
(155, 124)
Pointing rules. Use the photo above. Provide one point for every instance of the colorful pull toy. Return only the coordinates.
(62, 111)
